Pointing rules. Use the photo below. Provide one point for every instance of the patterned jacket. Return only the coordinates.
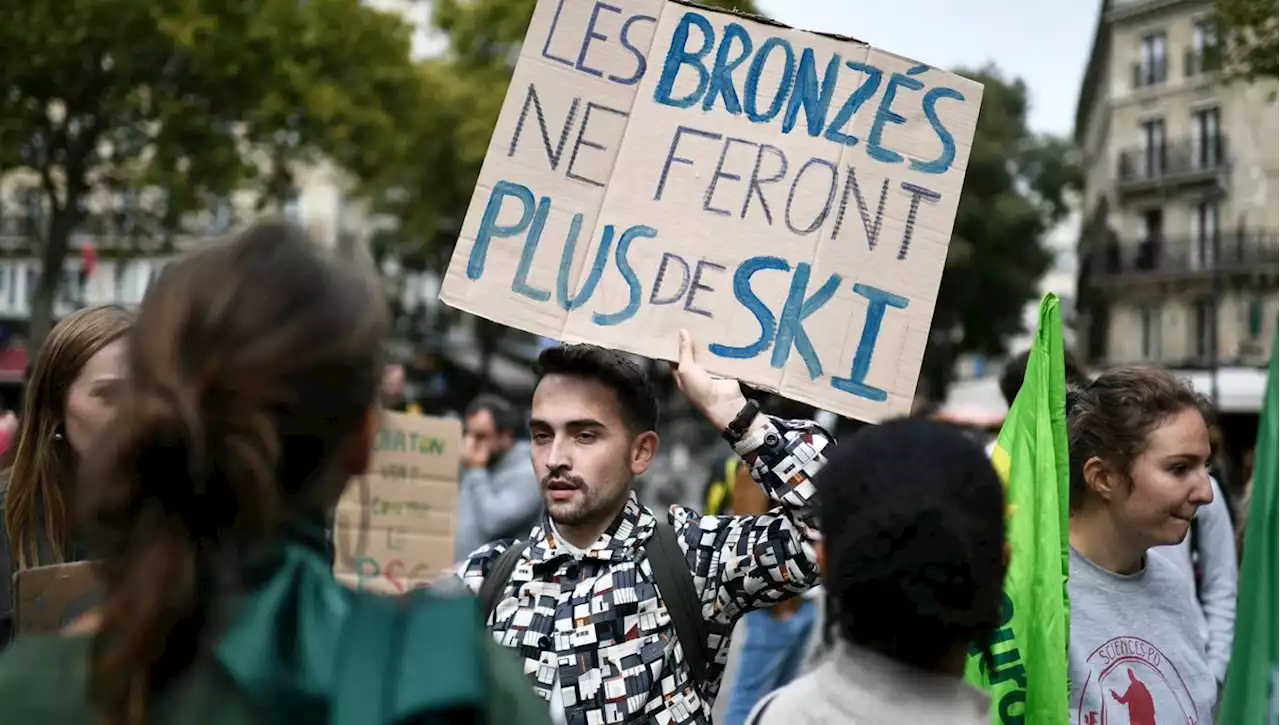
(599, 623)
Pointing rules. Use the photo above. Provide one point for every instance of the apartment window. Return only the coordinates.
(1204, 54)
(1253, 318)
(1206, 138)
(1205, 234)
(1153, 148)
(1152, 68)
(32, 278)
(1152, 243)
(11, 282)
(1149, 329)
(1202, 324)
(71, 292)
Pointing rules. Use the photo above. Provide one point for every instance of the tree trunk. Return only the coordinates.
(53, 251)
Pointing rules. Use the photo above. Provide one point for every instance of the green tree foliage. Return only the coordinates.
(1014, 192)
(188, 100)
(1248, 31)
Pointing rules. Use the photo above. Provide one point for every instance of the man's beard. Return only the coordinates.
(590, 505)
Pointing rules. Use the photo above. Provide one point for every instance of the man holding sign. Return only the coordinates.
(786, 196)
(622, 616)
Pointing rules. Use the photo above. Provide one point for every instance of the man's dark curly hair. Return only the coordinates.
(912, 516)
(637, 398)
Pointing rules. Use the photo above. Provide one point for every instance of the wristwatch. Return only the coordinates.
(741, 422)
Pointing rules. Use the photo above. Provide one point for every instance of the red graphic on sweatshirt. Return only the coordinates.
(1142, 709)
(1129, 681)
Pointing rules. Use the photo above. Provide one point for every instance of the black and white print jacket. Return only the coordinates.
(598, 621)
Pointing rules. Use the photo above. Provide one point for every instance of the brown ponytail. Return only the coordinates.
(253, 362)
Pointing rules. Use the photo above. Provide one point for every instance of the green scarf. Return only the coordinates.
(305, 649)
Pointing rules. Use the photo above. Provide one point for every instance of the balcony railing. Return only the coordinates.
(1237, 252)
(1203, 61)
(1150, 74)
(1186, 159)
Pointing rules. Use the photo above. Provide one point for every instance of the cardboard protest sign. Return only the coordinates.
(788, 197)
(48, 598)
(393, 530)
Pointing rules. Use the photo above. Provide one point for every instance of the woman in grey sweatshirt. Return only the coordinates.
(912, 517)
(1139, 455)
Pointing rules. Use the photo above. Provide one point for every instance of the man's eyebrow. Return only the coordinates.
(579, 423)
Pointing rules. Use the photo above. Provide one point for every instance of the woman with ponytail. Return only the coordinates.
(251, 401)
(71, 396)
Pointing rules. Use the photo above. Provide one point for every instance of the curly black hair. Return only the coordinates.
(637, 398)
(912, 516)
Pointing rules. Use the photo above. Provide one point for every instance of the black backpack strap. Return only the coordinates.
(495, 582)
(675, 584)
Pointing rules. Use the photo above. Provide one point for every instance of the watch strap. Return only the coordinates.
(742, 421)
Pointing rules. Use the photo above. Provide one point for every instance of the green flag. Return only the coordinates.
(1250, 695)
(1028, 680)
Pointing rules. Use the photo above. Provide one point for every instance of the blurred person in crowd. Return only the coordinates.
(1015, 371)
(777, 639)
(243, 419)
(913, 560)
(621, 614)
(498, 495)
(1242, 518)
(392, 391)
(71, 397)
(1139, 444)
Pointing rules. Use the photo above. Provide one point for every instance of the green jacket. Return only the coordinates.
(303, 649)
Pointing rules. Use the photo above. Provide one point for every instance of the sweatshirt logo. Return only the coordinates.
(1133, 683)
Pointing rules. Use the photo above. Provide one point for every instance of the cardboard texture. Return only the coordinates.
(787, 197)
(48, 598)
(394, 527)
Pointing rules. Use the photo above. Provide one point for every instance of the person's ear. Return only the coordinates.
(644, 448)
(1100, 479)
(360, 453)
